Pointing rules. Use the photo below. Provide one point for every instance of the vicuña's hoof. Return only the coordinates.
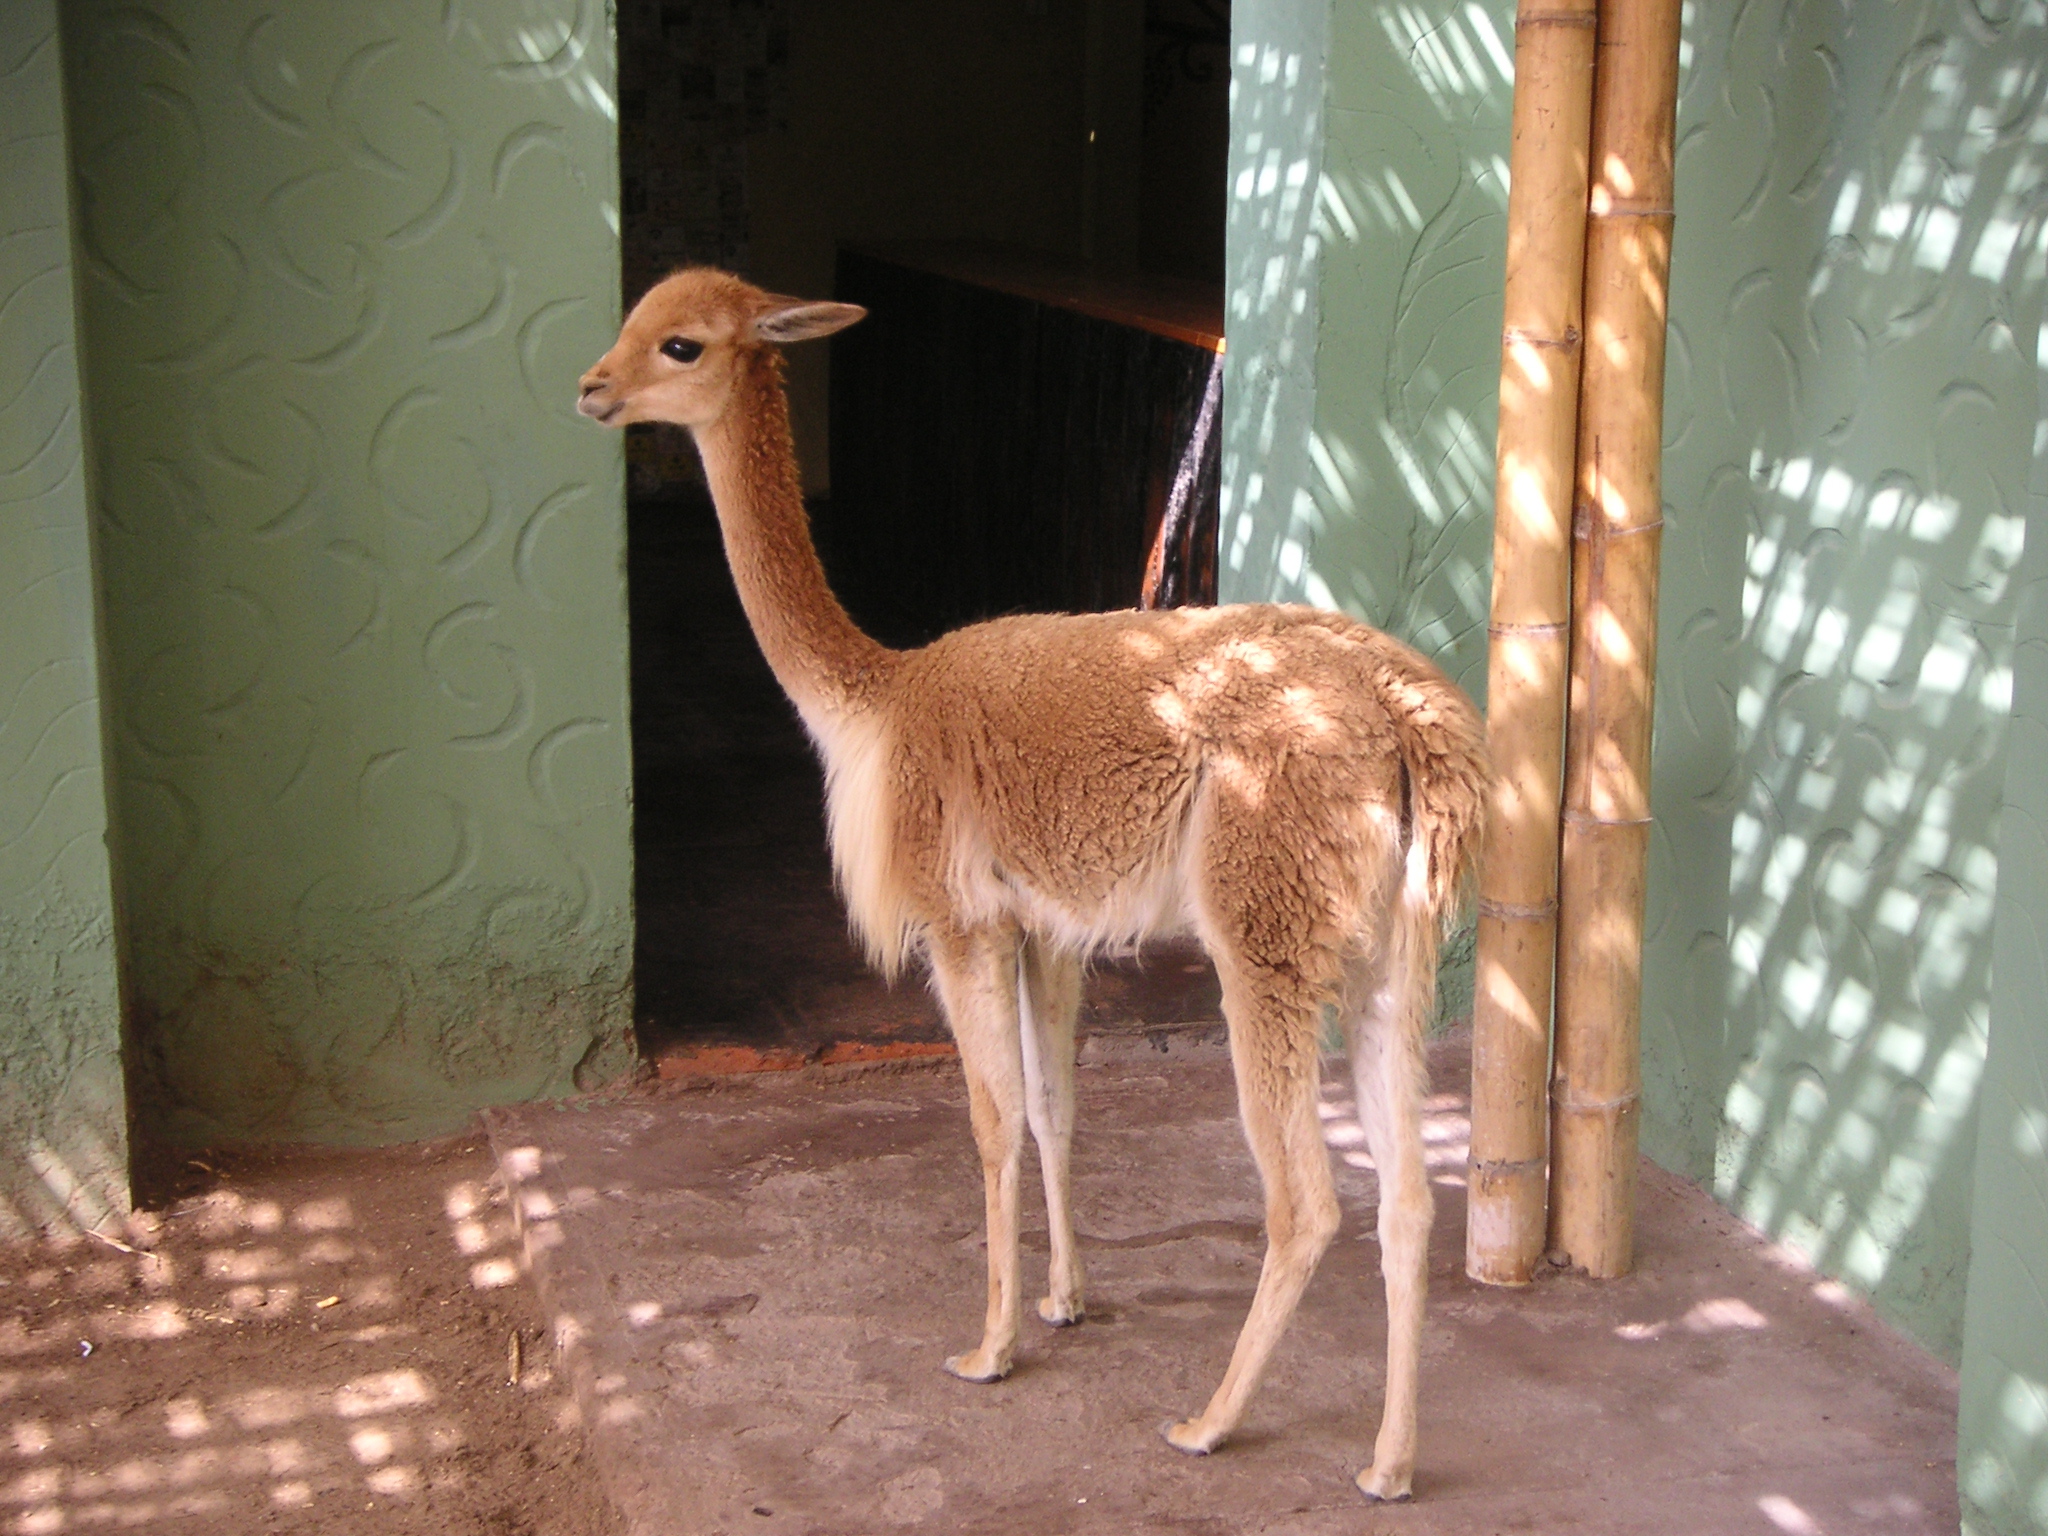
(977, 1367)
(1387, 1490)
(1060, 1315)
(1188, 1436)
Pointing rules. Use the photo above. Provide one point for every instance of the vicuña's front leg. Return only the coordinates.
(1051, 997)
(976, 974)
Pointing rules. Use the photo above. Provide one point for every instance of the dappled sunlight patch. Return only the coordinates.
(2008, 1468)
(395, 1480)
(153, 1320)
(1719, 1314)
(482, 1228)
(382, 1393)
(1446, 1134)
(1788, 1516)
(332, 1215)
(493, 1274)
(137, 1389)
(185, 1418)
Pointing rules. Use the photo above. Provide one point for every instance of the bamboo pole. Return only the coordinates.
(1596, 1082)
(1526, 661)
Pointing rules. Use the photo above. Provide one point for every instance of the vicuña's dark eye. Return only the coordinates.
(682, 349)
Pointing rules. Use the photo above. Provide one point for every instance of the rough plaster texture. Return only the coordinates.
(1412, 215)
(63, 1113)
(362, 562)
(1848, 419)
(1272, 272)
(1309, 383)
(1412, 212)
(2002, 1451)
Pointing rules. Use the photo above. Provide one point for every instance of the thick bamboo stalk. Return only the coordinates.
(1596, 1082)
(1526, 663)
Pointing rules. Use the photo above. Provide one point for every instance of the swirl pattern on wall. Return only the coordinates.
(1850, 406)
(362, 561)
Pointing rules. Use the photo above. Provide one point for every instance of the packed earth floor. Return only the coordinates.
(756, 1280)
(717, 1305)
(309, 1341)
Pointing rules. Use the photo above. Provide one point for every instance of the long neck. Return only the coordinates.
(824, 662)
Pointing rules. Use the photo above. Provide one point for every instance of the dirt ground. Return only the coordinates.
(759, 1276)
(310, 1340)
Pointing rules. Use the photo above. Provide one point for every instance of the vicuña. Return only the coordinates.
(1301, 792)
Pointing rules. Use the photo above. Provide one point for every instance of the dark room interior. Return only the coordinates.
(1028, 196)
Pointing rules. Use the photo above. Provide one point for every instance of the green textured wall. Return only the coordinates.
(1849, 418)
(1353, 426)
(63, 1117)
(1412, 211)
(2002, 1454)
(1272, 274)
(362, 563)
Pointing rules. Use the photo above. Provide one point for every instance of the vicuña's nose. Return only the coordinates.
(591, 399)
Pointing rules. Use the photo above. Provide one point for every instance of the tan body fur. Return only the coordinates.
(1298, 790)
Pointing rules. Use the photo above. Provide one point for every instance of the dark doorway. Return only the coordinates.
(771, 137)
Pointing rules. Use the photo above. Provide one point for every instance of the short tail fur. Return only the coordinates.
(1443, 748)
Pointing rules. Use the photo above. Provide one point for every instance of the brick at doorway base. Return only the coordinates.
(736, 1060)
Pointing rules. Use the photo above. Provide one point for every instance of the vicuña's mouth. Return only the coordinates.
(598, 411)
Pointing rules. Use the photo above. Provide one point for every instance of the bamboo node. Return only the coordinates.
(1538, 631)
(1582, 525)
(1604, 206)
(1588, 819)
(1585, 19)
(1497, 1168)
(1514, 335)
(1562, 1101)
(1517, 912)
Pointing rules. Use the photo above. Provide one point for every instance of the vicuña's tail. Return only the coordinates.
(1443, 747)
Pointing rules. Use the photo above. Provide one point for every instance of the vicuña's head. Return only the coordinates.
(685, 342)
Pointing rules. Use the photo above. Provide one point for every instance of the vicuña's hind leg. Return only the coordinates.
(1273, 1046)
(1387, 1063)
(1050, 999)
(976, 974)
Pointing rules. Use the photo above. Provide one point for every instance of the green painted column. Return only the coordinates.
(2002, 1442)
(63, 1114)
(1367, 226)
(362, 563)
(1850, 411)
(1850, 419)
(1413, 212)
(1272, 247)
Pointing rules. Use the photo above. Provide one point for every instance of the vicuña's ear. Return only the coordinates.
(801, 320)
